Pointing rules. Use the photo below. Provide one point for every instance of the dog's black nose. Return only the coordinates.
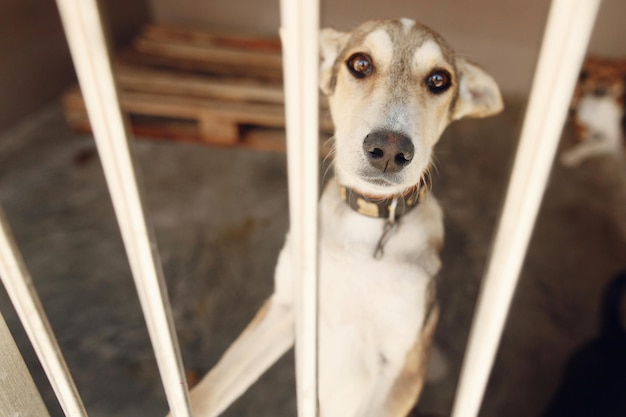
(388, 151)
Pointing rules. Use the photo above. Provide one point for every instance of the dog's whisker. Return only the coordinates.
(328, 160)
(327, 171)
(429, 178)
(434, 160)
(330, 145)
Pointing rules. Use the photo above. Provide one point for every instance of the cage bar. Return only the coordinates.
(88, 46)
(21, 291)
(567, 33)
(299, 34)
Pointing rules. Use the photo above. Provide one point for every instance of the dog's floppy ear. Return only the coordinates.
(331, 44)
(479, 95)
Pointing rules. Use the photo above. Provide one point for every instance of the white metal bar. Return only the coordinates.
(300, 33)
(18, 394)
(84, 31)
(567, 34)
(21, 290)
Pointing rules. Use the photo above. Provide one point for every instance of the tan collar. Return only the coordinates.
(385, 207)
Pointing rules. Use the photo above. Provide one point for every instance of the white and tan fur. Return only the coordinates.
(376, 316)
(598, 106)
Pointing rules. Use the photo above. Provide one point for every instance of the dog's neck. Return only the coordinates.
(389, 207)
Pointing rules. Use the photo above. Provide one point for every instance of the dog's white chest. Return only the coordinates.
(368, 308)
(601, 114)
(371, 310)
(370, 317)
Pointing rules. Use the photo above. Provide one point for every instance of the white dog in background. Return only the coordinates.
(598, 106)
(393, 87)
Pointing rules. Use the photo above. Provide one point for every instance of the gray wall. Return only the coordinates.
(35, 65)
(34, 59)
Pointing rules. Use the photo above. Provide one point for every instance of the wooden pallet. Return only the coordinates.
(192, 85)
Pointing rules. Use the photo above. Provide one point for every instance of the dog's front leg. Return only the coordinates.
(263, 342)
(592, 147)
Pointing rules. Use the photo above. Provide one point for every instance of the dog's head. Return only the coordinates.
(393, 86)
(602, 78)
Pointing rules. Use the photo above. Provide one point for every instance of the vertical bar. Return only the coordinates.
(18, 393)
(567, 33)
(300, 33)
(84, 31)
(21, 290)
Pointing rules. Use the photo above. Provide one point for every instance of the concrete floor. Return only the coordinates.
(220, 217)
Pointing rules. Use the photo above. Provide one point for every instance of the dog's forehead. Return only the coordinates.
(404, 39)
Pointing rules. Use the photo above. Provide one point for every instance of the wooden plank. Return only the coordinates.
(242, 62)
(256, 114)
(197, 65)
(203, 37)
(188, 107)
(253, 137)
(270, 115)
(142, 79)
(135, 78)
(216, 53)
(214, 121)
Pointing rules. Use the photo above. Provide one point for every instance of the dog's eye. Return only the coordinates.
(360, 65)
(438, 81)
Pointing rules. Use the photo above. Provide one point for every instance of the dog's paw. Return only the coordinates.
(570, 159)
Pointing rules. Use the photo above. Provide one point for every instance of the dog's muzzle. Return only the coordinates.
(388, 151)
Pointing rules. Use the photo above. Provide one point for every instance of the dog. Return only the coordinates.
(393, 86)
(598, 106)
